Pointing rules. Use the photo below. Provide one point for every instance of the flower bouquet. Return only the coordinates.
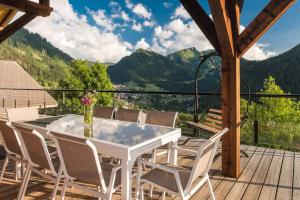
(88, 101)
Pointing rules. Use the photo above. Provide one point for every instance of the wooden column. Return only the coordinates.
(231, 97)
(226, 17)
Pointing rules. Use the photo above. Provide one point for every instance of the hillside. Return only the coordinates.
(46, 63)
(285, 68)
(144, 68)
(150, 70)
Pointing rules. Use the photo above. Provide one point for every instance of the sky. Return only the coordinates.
(106, 30)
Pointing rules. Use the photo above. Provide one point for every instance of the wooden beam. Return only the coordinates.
(6, 16)
(203, 21)
(241, 5)
(16, 25)
(262, 22)
(27, 7)
(223, 27)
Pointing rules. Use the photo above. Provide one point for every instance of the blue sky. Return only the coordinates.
(108, 30)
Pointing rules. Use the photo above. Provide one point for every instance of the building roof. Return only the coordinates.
(6, 15)
(12, 75)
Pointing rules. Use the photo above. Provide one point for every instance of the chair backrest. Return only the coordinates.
(79, 159)
(104, 112)
(205, 157)
(35, 144)
(161, 118)
(213, 119)
(129, 115)
(11, 140)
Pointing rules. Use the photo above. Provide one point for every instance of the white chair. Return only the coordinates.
(130, 115)
(12, 146)
(40, 157)
(179, 181)
(160, 118)
(104, 112)
(80, 161)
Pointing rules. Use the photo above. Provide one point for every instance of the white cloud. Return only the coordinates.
(149, 23)
(167, 4)
(258, 52)
(102, 20)
(137, 27)
(142, 44)
(180, 12)
(141, 11)
(129, 4)
(177, 35)
(70, 32)
(124, 16)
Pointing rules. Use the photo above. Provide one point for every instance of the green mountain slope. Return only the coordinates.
(285, 68)
(46, 63)
(175, 72)
(150, 70)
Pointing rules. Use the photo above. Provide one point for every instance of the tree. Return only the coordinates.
(87, 76)
(278, 118)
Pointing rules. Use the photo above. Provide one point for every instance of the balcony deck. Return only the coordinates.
(266, 174)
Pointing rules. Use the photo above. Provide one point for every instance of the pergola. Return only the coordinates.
(223, 32)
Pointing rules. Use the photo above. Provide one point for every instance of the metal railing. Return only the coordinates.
(284, 134)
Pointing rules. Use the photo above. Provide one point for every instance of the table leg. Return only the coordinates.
(126, 177)
(172, 157)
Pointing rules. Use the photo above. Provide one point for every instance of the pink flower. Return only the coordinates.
(88, 100)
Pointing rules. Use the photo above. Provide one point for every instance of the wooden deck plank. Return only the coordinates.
(253, 190)
(270, 185)
(285, 186)
(215, 179)
(226, 184)
(296, 185)
(241, 184)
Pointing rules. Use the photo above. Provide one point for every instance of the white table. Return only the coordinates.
(124, 140)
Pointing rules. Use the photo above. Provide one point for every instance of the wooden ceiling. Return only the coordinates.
(30, 10)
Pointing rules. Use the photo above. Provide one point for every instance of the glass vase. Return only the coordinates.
(88, 121)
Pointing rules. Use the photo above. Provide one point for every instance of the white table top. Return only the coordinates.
(120, 132)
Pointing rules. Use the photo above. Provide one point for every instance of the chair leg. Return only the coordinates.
(59, 174)
(210, 189)
(4, 167)
(25, 181)
(163, 195)
(99, 190)
(63, 191)
(141, 193)
(151, 191)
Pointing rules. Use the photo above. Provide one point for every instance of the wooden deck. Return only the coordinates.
(266, 174)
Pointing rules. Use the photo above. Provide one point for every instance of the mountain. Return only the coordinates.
(285, 68)
(176, 71)
(46, 63)
(150, 70)
(147, 70)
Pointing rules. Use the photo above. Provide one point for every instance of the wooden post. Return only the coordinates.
(231, 98)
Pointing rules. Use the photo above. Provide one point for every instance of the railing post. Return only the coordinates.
(15, 100)
(255, 125)
(45, 102)
(28, 98)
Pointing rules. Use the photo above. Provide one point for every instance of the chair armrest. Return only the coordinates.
(158, 166)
